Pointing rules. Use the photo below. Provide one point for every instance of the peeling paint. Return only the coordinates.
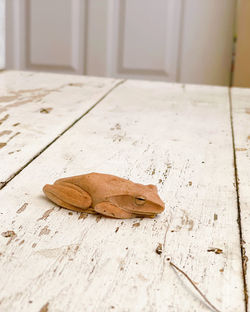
(241, 149)
(44, 231)
(5, 132)
(4, 118)
(46, 214)
(2, 144)
(22, 208)
(136, 224)
(45, 308)
(46, 110)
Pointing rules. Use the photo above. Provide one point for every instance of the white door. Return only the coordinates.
(170, 40)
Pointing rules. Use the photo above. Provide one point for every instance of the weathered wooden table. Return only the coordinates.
(193, 142)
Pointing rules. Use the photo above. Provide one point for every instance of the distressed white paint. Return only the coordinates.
(241, 122)
(175, 137)
(26, 127)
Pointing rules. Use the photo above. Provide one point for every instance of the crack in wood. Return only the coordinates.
(236, 177)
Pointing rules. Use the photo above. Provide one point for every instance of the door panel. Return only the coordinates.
(50, 35)
(145, 38)
(41, 45)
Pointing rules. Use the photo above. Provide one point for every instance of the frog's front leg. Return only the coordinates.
(69, 196)
(113, 211)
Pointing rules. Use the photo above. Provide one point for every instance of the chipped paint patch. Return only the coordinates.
(46, 110)
(44, 231)
(46, 214)
(117, 229)
(5, 132)
(2, 144)
(215, 250)
(136, 224)
(45, 308)
(158, 249)
(27, 96)
(4, 118)
(22, 208)
(185, 220)
(76, 84)
(9, 234)
(14, 135)
(83, 215)
(98, 218)
(241, 149)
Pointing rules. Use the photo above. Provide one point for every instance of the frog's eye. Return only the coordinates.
(140, 200)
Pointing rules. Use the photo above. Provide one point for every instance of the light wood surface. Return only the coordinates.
(177, 137)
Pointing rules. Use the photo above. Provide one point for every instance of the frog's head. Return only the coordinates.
(140, 200)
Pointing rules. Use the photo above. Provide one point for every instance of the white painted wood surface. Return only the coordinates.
(35, 108)
(176, 137)
(241, 121)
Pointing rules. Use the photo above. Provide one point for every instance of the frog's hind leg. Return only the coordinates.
(69, 196)
(113, 211)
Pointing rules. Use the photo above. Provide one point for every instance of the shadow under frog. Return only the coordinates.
(105, 194)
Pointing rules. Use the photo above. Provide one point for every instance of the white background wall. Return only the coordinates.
(187, 41)
(207, 41)
(2, 34)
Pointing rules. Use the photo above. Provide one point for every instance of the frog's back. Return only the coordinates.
(99, 185)
(104, 185)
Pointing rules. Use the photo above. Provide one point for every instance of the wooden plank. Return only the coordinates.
(241, 125)
(178, 138)
(37, 107)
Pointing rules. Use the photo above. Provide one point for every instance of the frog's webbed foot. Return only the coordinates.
(69, 196)
(113, 211)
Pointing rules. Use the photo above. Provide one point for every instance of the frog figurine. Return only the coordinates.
(105, 194)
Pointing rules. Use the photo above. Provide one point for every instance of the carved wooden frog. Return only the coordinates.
(105, 194)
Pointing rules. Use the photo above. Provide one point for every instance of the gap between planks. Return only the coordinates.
(236, 177)
(4, 183)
